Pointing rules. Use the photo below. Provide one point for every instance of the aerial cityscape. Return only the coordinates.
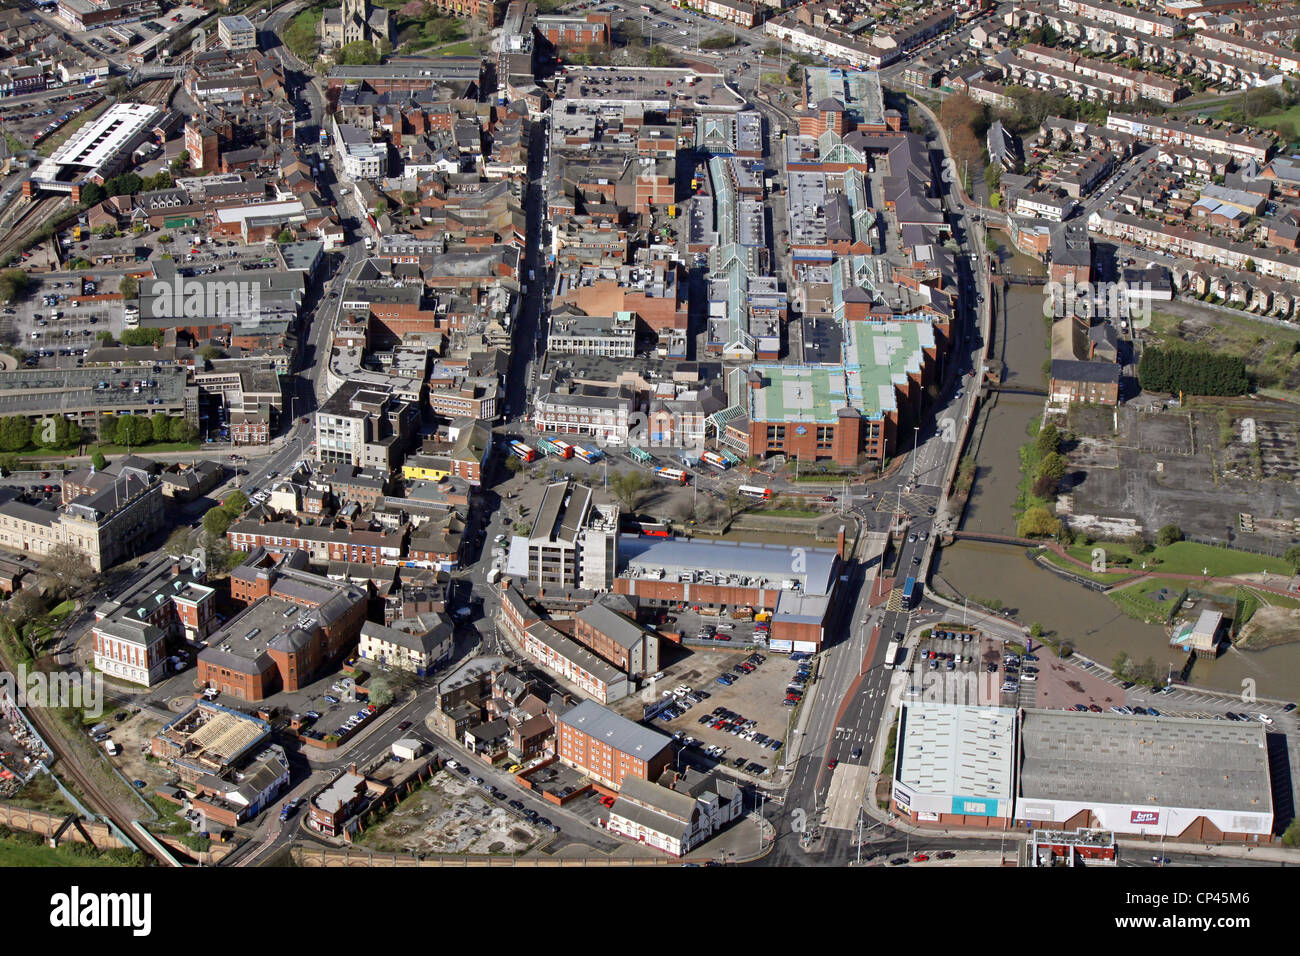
(532, 433)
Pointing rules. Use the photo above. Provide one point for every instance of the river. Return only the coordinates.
(1095, 625)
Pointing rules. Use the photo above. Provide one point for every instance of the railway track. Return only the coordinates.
(30, 220)
(153, 92)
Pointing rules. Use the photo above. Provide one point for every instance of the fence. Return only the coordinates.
(314, 856)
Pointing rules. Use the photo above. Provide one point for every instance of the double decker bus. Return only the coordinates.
(716, 460)
(670, 474)
(563, 448)
(588, 453)
(522, 451)
(753, 491)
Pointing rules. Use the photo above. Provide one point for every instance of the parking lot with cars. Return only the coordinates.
(54, 329)
(955, 666)
(730, 708)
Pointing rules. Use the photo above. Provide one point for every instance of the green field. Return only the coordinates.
(1285, 123)
(1137, 601)
(1052, 557)
(1186, 557)
(27, 849)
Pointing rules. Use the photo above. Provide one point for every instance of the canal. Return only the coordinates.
(1095, 625)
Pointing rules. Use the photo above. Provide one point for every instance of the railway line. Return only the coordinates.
(29, 220)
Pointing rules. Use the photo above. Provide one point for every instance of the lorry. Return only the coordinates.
(493, 575)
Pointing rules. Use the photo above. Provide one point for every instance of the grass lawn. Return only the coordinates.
(787, 513)
(1290, 118)
(1053, 558)
(147, 449)
(299, 34)
(1187, 557)
(463, 48)
(71, 126)
(15, 850)
(1137, 601)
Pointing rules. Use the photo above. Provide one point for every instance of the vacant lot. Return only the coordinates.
(1272, 353)
(450, 815)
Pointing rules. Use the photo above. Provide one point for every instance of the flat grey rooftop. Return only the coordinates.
(1155, 761)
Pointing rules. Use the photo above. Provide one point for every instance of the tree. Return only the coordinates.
(1048, 440)
(1048, 475)
(180, 430)
(381, 695)
(127, 184)
(161, 425)
(514, 465)
(99, 461)
(735, 503)
(360, 53)
(1293, 557)
(1195, 371)
(629, 487)
(142, 336)
(1037, 522)
(55, 431)
(181, 162)
(285, 236)
(1169, 534)
(1035, 630)
(210, 352)
(216, 521)
(1139, 543)
(13, 283)
(1120, 664)
(66, 572)
(129, 287)
(15, 433)
(236, 503)
(92, 194)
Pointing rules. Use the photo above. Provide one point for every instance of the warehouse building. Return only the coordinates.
(955, 765)
(1175, 778)
(796, 584)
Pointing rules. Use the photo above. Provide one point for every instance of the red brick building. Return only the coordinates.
(606, 747)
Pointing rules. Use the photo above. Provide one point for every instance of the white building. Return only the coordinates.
(130, 650)
(237, 33)
(1175, 778)
(674, 821)
(954, 764)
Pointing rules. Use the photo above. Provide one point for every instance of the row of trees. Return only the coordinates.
(136, 430)
(17, 433)
(126, 184)
(1195, 371)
